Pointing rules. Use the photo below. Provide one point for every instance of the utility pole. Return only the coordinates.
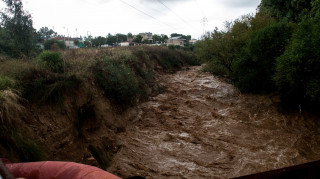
(204, 22)
(89, 38)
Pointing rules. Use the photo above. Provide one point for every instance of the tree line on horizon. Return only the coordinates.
(19, 38)
(275, 50)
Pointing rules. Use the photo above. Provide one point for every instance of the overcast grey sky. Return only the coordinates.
(100, 17)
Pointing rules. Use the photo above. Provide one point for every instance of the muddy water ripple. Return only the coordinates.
(203, 127)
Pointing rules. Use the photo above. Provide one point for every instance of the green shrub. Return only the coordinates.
(52, 61)
(297, 71)
(188, 58)
(215, 68)
(48, 44)
(169, 59)
(118, 82)
(220, 48)
(6, 82)
(255, 67)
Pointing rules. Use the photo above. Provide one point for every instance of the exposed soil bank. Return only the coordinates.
(204, 128)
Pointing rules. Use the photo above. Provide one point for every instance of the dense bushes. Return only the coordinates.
(125, 74)
(38, 80)
(286, 9)
(255, 67)
(220, 48)
(298, 69)
(118, 81)
(6, 82)
(52, 61)
(277, 50)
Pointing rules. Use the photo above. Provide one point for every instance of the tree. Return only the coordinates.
(121, 38)
(111, 39)
(87, 43)
(98, 41)
(291, 10)
(220, 48)
(254, 68)
(130, 35)
(17, 34)
(146, 41)
(164, 38)
(46, 32)
(297, 69)
(76, 42)
(156, 38)
(49, 44)
(138, 39)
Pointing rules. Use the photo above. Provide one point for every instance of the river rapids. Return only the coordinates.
(202, 127)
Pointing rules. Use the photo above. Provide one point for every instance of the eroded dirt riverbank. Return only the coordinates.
(203, 127)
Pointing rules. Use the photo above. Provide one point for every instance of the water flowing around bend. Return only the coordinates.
(203, 127)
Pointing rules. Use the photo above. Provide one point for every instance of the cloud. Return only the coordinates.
(239, 3)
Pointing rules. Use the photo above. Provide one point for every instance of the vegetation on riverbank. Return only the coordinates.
(273, 50)
(125, 75)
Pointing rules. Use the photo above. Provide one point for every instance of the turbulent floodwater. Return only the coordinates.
(202, 127)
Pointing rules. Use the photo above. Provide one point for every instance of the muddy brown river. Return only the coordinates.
(202, 127)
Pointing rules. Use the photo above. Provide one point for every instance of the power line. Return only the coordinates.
(146, 14)
(204, 20)
(201, 10)
(174, 13)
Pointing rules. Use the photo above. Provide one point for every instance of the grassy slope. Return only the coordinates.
(75, 115)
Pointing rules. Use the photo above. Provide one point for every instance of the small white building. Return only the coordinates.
(104, 46)
(126, 44)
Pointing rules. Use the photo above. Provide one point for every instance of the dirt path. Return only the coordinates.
(204, 128)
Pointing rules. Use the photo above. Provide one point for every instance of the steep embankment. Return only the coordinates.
(202, 127)
(92, 142)
(71, 105)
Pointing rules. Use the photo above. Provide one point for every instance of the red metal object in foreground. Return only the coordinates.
(57, 170)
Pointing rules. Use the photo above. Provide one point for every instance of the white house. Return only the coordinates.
(126, 44)
(104, 46)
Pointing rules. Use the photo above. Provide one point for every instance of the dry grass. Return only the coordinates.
(16, 67)
(80, 61)
(10, 106)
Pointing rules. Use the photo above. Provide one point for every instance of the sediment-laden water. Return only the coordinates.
(202, 127)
